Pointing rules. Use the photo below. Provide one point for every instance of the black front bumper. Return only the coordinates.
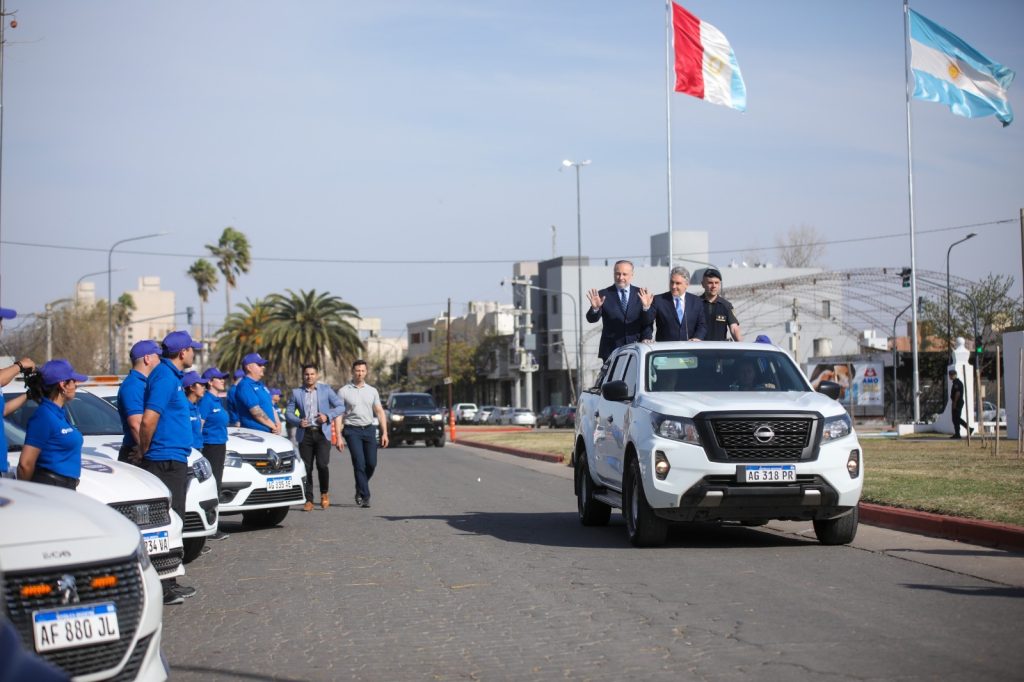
(721, 498)
(424, 431)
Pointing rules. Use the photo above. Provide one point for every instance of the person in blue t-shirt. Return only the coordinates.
(52, 453)
(7, 374)
(215, 422)
(252, 399)
(229, 402)
(131, 397)
(195, 389)
(165, 434)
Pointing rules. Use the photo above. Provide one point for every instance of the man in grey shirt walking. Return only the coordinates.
(361, 403)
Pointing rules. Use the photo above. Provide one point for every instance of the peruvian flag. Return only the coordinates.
(705, 65)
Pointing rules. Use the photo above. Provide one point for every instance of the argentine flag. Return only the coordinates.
(949, 71)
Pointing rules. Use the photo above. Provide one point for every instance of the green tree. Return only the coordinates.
(428, 371)
(205, 277)
(244, 332)
(307, 327)
(232, 255)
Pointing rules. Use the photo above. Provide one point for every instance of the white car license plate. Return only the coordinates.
(279, 483)
(75, 626)
(157, 543)
(417, 429)
(767, 473)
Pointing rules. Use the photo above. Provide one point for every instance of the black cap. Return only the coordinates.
(712, 272)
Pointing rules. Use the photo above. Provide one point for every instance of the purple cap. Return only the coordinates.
(56, 371)
(213, 373)
(7, 314)
(144, 348)
(191, 378)
(253, 357)
(275, 391)
(762, 338)
(175, 342)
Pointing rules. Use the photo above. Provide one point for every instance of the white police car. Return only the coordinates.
(78, 585)
(263, 475)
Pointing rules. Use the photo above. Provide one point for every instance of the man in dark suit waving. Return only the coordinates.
(679, 315)
(624, 310)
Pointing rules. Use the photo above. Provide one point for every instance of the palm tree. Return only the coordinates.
(243, 332)
(205, 277)
(307, 327)
(233, 259)
(122, 316)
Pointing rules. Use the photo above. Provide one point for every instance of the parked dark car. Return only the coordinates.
(547, 416)
(565, 417)
(414, 417)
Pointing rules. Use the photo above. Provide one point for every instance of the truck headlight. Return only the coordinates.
(436, 417)
(232, 459)
(676, 428)
(397, 417)
(836, 427)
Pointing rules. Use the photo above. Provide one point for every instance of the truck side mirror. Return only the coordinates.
(830, 388)
(616, 391)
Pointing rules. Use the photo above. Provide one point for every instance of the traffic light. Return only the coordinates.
(905, 275)
(189, 312)
(979, 345)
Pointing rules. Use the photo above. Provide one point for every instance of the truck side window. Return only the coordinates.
(630, 376)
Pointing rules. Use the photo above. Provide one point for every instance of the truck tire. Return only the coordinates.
(592, 512)
(642, 526)
(264, 518)
(839, 531)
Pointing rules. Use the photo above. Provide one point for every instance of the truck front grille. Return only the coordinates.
(762, 438)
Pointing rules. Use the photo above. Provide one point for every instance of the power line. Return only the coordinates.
(491, 261)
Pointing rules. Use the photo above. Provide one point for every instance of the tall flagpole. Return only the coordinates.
(910, 194)
(668, 120)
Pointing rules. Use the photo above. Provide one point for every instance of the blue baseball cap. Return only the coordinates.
(762, 338)
(144, 348)
(7, 314)
(56, 371)
(275, 391)
(239, 373)
(213, 373)
(175, 342)
(190, 378)
(253, 357)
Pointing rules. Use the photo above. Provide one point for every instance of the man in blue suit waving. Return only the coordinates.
(679, 315)
(623, 309)
(311, 408)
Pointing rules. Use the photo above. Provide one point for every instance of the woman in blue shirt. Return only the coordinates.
(52, 453)
(195, 389)
(215, 418)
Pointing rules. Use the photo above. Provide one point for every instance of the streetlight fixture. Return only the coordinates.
(579, 264)
(91, 274)
(949, 313)
(110, 298)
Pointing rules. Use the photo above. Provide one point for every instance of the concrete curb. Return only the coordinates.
(971, 531)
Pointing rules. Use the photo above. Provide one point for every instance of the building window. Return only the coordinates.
(554, 304)
(414, 337)
(826, 309)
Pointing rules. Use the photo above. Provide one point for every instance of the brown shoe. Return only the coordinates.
(325, 501)
(308, 506)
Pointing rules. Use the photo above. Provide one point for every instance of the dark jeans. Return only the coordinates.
(125, 454)
(216, 453)
(174, 475)
(362, 448)
(47, 477)
(315, 448)
(958, 409)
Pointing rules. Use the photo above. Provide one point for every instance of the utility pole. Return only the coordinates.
(793, 327)
(448, 371)
(554, 241)
(529, 346)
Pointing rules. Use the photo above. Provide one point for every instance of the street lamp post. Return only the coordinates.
(110, 297)
(575, 311)
(90, 274)
(949, 313)
(579, 264)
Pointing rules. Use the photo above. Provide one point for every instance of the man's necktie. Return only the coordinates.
(679, 310)
(623, 299)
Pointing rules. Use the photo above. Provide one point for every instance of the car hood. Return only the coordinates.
(252, 442)
(690, 404)
(110, 481)
(48, 526)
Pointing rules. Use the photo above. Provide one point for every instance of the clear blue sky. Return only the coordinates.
(434, 130)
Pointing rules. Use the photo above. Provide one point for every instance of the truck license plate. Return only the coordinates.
(417, 429)
(279, 483)
(767, 473)
(157, 543)
(75, 626)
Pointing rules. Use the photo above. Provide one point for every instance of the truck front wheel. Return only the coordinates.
(839, 531)
(644, 528)
(592, 512)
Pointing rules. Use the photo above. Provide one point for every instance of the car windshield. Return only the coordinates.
(92, 415)
(413, 402)
(722, 370)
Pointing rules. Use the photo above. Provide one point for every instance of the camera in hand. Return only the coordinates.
(33, 385)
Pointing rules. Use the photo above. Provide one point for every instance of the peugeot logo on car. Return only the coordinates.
(764, 434)
(68, 589)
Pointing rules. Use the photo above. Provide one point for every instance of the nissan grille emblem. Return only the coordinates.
(764, 434)
(141, 514)
(68, 589)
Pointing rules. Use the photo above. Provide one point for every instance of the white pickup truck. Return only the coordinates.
(710, 431)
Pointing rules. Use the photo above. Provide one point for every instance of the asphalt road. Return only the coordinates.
(472, 565)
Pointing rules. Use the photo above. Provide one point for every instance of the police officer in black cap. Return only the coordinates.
(718, 314)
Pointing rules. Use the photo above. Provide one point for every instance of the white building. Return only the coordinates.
(154, 314)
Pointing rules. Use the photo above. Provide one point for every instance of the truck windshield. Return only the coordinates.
(413, 402)
(722, 370)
